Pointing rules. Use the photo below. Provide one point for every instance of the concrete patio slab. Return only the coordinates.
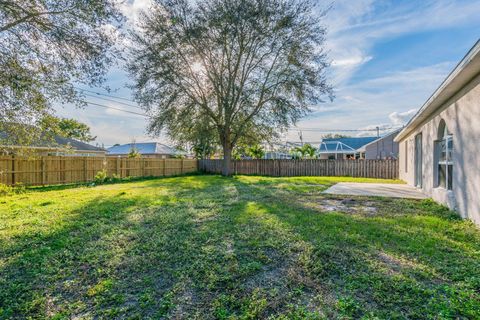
(376, 189)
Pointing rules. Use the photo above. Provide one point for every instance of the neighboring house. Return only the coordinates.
(344, 148)
(59, 147)
(145, 149)
(382, 148)
(276, 155)
(440, 146)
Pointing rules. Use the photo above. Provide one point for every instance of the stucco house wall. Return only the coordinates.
(383, 148)
(461, 114)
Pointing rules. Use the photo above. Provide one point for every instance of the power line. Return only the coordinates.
(97, 94)
(144, 115)
(118, 109)
(122, 103)
(103, 94)
(298, 129)
(340, 130)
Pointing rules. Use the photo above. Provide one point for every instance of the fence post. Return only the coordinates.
(43, 170)
(118, 167)
(181, 172)
(85, 167)
(143, 167)
(13, 170)
(164, 167)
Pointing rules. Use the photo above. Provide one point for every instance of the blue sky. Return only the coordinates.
(387, 58)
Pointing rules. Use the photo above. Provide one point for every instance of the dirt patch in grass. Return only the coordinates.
(348, 205)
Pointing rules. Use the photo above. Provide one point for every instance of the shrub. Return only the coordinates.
(101, 177)
(6, 190)
(115, 178)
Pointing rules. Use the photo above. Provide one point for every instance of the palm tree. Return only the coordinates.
(307, 151)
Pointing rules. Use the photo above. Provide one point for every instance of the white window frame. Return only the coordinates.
(448, 161)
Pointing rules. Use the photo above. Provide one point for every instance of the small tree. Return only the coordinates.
(243, 68)
(69, 128)
(307, 151)
(133, 153)
(256, 152)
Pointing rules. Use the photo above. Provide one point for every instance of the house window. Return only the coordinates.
(444, 151)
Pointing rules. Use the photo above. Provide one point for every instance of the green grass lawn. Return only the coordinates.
(208, 247)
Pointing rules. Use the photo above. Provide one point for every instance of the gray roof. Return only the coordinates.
(339, 145)
(59, 142)
(144, 148)
(394, 132)
(76, 145)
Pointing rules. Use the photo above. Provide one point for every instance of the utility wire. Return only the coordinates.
(107, 99)
(303, 129)
(341, 130)
(103, 94)
(118, 109)
(98, 95)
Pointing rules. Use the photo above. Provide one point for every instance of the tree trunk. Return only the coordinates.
(227, 160)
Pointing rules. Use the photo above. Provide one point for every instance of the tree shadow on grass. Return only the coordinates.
(118, 256)
(43, 268)
(230, 248)
(417, 265)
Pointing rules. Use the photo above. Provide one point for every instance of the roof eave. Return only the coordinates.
(463, 73)
(382, 137)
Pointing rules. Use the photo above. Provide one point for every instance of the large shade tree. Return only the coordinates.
(245, 69)
(45, 46)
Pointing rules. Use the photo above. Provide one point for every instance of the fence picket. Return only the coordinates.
(287, 168)
(49, 170)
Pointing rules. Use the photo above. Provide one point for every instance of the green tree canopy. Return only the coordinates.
(70, 128)
(307, 151)
(45, 46)
(243, 68)
(256, 151)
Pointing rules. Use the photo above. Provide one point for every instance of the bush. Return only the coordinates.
(101, 177)
(5, 190)
(115, 178)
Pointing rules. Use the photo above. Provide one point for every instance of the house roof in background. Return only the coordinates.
(395, 132)
(144, 148)
(332, 145)
(77, 145)
(58, 143)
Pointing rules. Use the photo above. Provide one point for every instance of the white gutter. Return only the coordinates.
(463, 73)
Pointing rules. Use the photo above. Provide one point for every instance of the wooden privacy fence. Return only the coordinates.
(386, 169)
(70, 169)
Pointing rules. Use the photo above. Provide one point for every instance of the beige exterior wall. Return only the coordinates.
(462, 117)
(384, 148)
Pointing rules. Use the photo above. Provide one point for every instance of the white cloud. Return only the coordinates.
(356, 26)
(378, 102)
(401, 118)
(351, 61)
